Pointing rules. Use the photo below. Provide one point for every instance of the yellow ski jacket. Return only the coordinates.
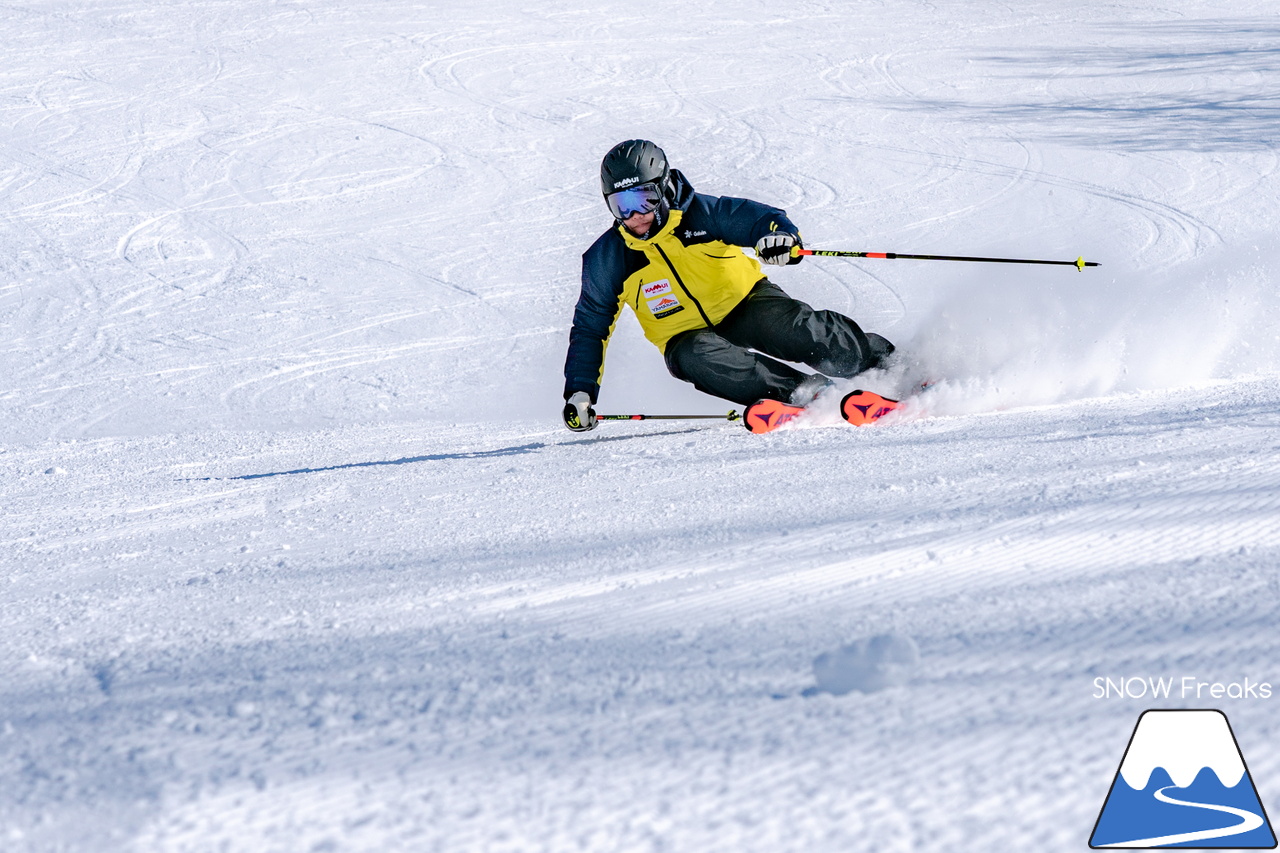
(689, 275)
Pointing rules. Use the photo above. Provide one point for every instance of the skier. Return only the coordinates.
(673, 256)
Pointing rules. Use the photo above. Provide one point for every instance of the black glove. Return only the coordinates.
(578, 414)
(775, 248)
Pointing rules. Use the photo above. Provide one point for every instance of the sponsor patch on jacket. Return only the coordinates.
(664, 306)
(657, 288)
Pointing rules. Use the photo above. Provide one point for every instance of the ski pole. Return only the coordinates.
(1079, 263)
(732, 416)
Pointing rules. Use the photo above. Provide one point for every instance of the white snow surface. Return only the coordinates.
(298, 557)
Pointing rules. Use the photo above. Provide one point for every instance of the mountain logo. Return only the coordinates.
(664, 306)
(1183, 783)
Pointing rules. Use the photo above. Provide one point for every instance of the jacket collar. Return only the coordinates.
(641, 243)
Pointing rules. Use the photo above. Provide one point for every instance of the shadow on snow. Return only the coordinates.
(517, 450)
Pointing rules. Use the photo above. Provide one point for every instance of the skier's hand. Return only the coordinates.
(578, 414)
(775, 248)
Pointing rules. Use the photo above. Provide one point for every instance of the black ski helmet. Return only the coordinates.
(631, 163)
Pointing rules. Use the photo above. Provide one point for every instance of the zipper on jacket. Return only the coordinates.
(679, 281)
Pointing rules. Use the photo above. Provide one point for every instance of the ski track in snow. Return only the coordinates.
(297, 557)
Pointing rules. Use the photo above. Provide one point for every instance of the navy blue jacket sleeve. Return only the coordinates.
(741, 221)
(598, 306)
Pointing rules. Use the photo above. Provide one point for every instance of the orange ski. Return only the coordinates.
(864, 407)
(767, 415)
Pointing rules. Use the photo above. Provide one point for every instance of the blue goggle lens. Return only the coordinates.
(642, 199)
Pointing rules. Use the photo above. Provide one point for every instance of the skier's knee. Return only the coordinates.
(878, 350)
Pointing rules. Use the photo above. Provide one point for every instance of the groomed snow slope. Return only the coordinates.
(297, 557)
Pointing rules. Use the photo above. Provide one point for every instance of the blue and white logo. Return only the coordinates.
(1183, 783)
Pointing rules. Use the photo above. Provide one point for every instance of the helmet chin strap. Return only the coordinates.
(659, 219)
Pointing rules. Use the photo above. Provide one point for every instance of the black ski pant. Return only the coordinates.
(738, 359)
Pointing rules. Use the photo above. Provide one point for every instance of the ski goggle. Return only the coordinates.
(644, 198)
